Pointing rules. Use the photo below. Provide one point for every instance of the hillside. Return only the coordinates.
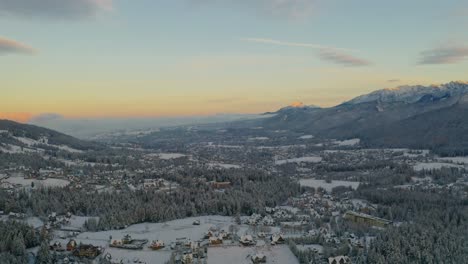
(408, 116)
(14, 136)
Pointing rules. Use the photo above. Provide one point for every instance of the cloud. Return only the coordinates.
(8, 46)
(444, 55)
(64, 9)
(339, 57)
(393, 80)
(327, 53)
(289, 9)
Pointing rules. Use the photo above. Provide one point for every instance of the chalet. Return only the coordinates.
(215, 240)
(88, 251)
(277, 239)
(187, 258)
(220, 185)
(247, 240)
(71, 245)
(339, 260)
(155, 245)
(56, 246)
(153, 183)
(259, 258)
(366, 219)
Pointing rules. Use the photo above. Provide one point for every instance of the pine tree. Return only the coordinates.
(43, 255)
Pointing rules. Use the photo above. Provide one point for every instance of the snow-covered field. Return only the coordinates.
(168, 156)
(457, 160)
(241, 255)
(434, 166)
(313, 159)
(349, 142)
(181, 228)
(167, 232)
(258, 138)
(327, 186)
(223, 165)
(318, 248)
(49, 182)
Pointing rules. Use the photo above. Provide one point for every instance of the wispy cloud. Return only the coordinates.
(8, 46)
(393, 80)
(64, 9)
(338, 57)
(331, 54)
(444, 55)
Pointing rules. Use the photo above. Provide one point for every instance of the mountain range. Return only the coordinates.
(434, 117)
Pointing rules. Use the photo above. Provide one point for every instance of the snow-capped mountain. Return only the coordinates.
(412, 94)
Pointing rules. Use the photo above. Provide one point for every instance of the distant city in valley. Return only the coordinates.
(233, 132)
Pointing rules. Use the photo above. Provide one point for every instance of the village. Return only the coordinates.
(328, 221)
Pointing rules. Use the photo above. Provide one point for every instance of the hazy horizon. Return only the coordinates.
(88, 59)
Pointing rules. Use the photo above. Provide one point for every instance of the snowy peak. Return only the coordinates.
(412, 94)
(298, 105)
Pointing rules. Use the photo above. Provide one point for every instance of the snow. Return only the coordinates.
(327, 186)
(434, 166)
(457, 160)
(258, 138)
(306, 137)
(285, 147)
(67, 148)
(223, 165)
(78, 221)
(349, 142)
(49, 182)
(312, 159)
(44, 141)
(411, 94)
(241, 255)
(182, 228)
(168, 156)
(319, 248)
(145, 256)
(34, 222)
(167, 232)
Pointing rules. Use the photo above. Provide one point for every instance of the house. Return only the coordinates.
(187, 258)
(366, 219)
(220, 185)
(277, 239)
(339, 260)
(158, 244)
(88, 251)
(56, 246)
(259, 258)
(215, 240)
(71, 245)
(247, 240)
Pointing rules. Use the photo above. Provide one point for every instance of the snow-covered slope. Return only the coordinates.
(412, 94)
(23, 138)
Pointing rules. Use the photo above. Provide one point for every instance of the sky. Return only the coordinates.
(155, 58)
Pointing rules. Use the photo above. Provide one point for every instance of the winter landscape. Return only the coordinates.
(233, 132)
